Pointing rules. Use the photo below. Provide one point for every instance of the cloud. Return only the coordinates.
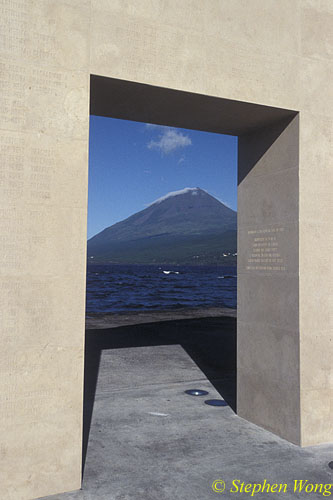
(181, 160)
(170, 140)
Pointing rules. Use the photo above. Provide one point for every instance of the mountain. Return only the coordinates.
(183, 227)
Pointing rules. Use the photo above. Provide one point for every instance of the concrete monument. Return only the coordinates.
(261, 70)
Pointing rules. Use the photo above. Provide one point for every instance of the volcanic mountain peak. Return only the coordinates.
(178, 227)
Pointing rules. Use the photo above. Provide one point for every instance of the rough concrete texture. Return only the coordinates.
(149, 440)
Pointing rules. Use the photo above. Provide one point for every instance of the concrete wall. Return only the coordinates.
(275, 53)
(268, 381)
(44, 119)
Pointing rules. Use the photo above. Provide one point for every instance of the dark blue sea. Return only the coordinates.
(123, 288)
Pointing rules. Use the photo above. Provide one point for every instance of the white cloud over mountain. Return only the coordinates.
(169, 141)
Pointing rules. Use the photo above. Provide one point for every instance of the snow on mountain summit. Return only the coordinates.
(193, 191)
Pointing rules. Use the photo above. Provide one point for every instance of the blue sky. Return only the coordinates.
(132, 164)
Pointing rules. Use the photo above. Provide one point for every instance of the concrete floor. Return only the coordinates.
(148, 440)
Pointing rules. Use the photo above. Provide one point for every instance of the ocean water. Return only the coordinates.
(123, 288)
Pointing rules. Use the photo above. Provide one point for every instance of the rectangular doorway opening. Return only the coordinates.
(189, 346)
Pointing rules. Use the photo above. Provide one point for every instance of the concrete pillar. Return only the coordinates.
(44, 119)
(268, 334)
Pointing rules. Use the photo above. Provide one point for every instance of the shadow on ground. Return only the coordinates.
(210, 342)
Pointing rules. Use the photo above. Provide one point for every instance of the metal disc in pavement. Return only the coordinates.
(196, 392)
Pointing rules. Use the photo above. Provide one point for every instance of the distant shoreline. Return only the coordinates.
(127, 318)
(231, 263)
